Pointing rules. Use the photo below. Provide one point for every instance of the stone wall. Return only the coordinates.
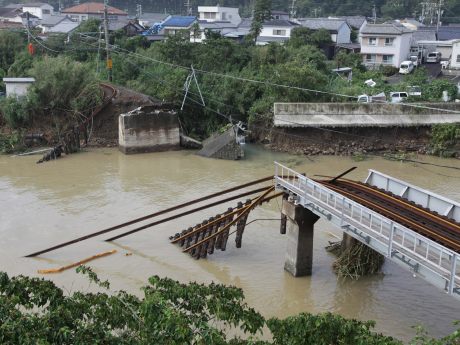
(222, 146)
(149, 129)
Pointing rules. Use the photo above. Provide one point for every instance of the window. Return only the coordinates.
(279, 32)
(46, 11)
(276, 16)
(458, 58)
(372, 41)
(209, 15)
(370, 58)
(224, 16)
(389, 41)
(388, 59)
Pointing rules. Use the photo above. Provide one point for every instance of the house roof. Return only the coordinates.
(16, 6)
(216, 25)
(6, 12)
(274, 12)
(385, 29)
(64, 27)
(280, 22)
(93, 8)
(322, 23)
(245, 23)
(36, 4)
(271, 39)
(353, 21)
(118, 25)
(19, 80)
(53, 20)
(425, 33)
(450, 32)
(179, 21)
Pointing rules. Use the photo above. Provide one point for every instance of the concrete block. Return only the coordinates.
(149, 129)
(299, 251)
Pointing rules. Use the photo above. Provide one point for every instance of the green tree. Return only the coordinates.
(262, 13)
(11, 44)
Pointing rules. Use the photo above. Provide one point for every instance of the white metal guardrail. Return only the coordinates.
(426, 258)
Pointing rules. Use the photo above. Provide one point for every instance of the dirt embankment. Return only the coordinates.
(105, 126)
(344, 141)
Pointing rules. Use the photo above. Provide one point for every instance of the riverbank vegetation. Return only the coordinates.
(36, 311)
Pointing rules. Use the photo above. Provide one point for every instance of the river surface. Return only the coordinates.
(42, 205)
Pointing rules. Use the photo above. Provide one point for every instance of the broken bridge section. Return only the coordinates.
(421, 240)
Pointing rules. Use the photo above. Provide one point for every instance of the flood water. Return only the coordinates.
(43, 205)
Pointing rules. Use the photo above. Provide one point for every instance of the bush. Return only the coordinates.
(444, 137)
(436, 87)
(15, 112)
(388, 70)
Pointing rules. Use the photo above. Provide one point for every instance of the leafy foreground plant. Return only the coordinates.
(35, 311)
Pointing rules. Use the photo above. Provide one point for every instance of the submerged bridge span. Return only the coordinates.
(410, 226)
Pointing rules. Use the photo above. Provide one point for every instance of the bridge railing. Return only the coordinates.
(379, 232)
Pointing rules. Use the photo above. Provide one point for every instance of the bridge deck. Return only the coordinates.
(420, 240)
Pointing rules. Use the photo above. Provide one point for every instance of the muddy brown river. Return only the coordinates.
(42, 205)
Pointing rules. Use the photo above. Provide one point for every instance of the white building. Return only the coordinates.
(17, 87)
(275, 31)
(221, 28)
(219, 13)
(455, 60)
(38, 9)
(385, 44)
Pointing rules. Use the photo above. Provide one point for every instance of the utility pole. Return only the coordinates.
(374, 14)
(107, 49)
(293, 9)
(138, 10)
(439, 16)
(28, 26)
(188, 8)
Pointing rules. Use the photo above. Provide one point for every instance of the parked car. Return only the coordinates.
(433, 57)
(406, 67)
(415, 60)
(414, 91)
(379, 98)
(398, 97)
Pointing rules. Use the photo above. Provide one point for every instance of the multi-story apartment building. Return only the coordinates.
(385, 44)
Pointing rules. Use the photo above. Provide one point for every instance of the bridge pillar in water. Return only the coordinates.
(299, 251)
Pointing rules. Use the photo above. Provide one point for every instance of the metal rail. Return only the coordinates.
(426, 258)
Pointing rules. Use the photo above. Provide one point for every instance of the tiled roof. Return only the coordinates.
(35, 4)
(322, 23)
(450, 32)
(216, 25)
(52, 20)
(94, 8)
(153, 17)
(245, 23)
(179, 21)
(280, 22)
(426, 33)
(354, 21)
(6, 12)
(385, 29)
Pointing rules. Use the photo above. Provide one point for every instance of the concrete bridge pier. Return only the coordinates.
(299, 252)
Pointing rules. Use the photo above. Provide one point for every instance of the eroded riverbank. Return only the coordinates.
(46, 204)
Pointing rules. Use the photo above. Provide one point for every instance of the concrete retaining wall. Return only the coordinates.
(149, 129)
(362, 114)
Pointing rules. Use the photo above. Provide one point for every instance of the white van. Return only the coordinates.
(433, 57)
(406, 67)
(398, 97)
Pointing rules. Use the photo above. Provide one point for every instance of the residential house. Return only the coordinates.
(220, 27)
(338, 28)
(280, 15)
(15, 15)
(385, 44)
(57, 23)
(444, 47)
(89, 10)
(241, 31)
(130, 28)
(149, 19)
(455, 60)
(38, 9)
(176, 24)
(354, 22)
(422, 34)
(276, 30)
(219, 14)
